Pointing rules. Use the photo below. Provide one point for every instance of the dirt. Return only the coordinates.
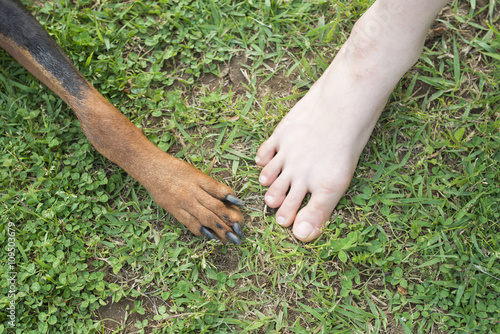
(122, 316)
(235, 76)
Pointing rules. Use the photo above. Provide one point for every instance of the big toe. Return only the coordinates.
(310, 221)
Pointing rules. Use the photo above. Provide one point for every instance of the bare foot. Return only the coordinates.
(316, 147)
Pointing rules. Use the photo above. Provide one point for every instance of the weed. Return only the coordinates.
(413, 247)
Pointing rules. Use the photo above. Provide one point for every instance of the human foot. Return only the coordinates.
(316, 147)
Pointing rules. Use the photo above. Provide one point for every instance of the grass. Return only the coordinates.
(413, 247)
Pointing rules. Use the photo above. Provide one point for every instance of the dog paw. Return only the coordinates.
(206, 207)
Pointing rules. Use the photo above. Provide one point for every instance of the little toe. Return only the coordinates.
(288, 209)
(266, 152)
(310, 221)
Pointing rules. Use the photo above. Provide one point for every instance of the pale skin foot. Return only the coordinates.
(316, 147)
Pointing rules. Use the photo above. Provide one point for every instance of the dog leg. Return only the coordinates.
(205, 206)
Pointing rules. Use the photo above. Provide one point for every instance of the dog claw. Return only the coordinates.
(207, 233)
(233, 238)
(238, 230)
(235, 200)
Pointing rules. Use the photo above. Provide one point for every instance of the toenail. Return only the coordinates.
(303, 230)
(280, 220)
(262, 179)
(269, 199)
(257, 159)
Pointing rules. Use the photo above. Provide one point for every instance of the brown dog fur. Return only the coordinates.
(194, 198)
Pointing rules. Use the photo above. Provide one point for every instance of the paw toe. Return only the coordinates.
(231, 237)
(235, 200)
(208, 233)
(239, 231)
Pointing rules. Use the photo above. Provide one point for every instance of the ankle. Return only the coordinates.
(375, 48)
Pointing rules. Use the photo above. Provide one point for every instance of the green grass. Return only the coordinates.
(413, 247)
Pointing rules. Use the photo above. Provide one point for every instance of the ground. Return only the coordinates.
(412, 248)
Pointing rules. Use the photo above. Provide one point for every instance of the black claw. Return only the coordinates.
(207, 233)
(233, 238)
(238, 230)
(235, 200)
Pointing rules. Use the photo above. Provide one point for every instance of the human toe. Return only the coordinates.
(306, 232)
(288, 209)
(266, 152)
(276, 193)
(270, 172)
(310, 221)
